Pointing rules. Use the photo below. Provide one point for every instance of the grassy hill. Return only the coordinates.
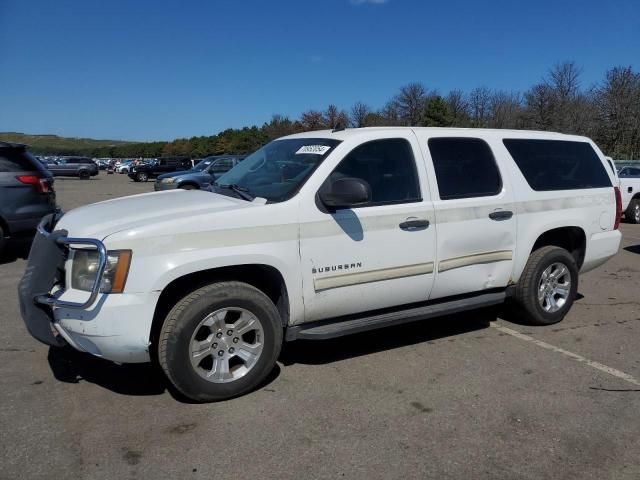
(53, 144)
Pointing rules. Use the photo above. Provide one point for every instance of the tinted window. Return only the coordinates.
(557, 164)
(221, 165)
(387, 166)
(15, 160)
(464, 167)
(630, 172)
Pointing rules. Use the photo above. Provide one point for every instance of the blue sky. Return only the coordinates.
(157, 70)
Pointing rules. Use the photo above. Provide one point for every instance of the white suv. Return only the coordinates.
(323, 234)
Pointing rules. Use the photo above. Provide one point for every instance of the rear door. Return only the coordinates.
(474, 214)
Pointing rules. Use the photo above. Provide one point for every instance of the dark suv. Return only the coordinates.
(199, 177)
(82, 167)
(144, 171)
(26, 192)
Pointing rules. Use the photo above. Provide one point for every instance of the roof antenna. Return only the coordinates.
(339, 126)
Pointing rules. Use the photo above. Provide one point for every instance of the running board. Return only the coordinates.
(339, 327)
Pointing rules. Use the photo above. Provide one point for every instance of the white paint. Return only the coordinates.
(176, 233)
(579, 358)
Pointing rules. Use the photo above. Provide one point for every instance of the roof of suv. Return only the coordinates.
(479, 132)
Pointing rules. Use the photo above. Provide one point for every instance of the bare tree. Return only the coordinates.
(539, 107)
(459, 107)
(480, 106)
(333, 117)
(359, 113)
(389, 115)
(617, 106)
(312, 120)
(410, 103)
(506, 110)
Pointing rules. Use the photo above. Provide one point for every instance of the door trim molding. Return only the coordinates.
(475, 259)
(357, 278)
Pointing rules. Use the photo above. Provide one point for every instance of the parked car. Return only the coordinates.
(124, 167)
(323, 234)
(154, 168)
(26, 193)
(199, 177)
(630, 187)
(82, 167)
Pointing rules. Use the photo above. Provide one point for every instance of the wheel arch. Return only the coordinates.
(190, 183)
(571, 238)
(265, 278)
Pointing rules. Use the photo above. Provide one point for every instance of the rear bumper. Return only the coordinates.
(600, 248)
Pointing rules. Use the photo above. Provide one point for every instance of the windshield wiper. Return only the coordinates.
(242, 192)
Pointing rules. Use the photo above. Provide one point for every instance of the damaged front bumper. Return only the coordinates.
(115, 327)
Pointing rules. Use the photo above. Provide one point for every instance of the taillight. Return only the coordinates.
(40, 184)
(618, 208)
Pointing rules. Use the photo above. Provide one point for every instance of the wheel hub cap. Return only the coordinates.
(226, 345)
(554, 287)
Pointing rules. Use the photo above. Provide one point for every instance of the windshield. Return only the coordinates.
(202, 165)
(278, 170)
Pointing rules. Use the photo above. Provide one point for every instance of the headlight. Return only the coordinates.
(168, 180)
(85, 265)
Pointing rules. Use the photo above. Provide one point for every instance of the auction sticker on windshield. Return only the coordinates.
(315, 149)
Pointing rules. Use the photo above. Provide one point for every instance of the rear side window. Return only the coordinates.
(387, 166)
(465, 168)
(14, 160)
(558, 164)
(630, 172)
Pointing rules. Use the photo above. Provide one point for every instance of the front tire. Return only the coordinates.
(142, 177)
(220, 341)
(632, 215)
(547, 286)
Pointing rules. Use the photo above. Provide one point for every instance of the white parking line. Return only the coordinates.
(598, 366)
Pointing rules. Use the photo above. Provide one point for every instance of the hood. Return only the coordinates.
(175, 174)
(137, 211)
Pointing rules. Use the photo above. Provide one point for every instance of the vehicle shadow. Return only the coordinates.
(142, 379)
(510, 314)
(71, 366)
(320, 352)
(633, 249)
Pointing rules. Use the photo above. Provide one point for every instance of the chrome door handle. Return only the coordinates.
(413, 224)
(501, 215)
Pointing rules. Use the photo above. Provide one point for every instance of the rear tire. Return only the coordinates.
(632, 215)
(142, 177)
(547, 287)
(220, 341)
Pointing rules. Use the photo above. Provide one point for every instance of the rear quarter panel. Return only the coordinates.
(592, 210)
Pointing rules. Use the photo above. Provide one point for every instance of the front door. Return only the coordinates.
(377, 255)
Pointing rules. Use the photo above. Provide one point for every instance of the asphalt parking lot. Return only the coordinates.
(470, 396)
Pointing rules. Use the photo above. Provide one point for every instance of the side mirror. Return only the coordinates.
(346, 193)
